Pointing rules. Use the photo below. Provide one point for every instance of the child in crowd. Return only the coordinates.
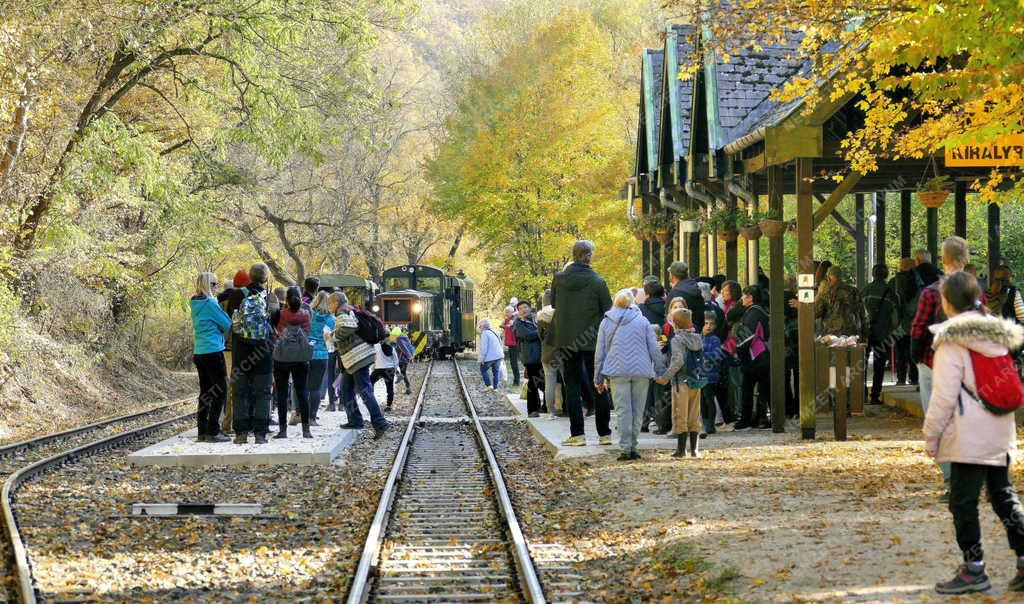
(684, 373)
(712, 358)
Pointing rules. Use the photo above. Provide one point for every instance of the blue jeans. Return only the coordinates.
(359, 383)
(630, 394)
(924, 382)
(491, 366)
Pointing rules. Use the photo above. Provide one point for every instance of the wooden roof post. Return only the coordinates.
(776, 308)
(960, 209)
(712, 245)
(645, 245)
(932, 216)
(880, 227)
(731, 267)
(994, 229)
(805, 314)
(753, 249)
(858, 239)
(905, 224)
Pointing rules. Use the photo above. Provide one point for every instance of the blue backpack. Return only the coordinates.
(695, 373)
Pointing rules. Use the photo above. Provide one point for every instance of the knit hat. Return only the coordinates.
(396, 331)
(241, 279)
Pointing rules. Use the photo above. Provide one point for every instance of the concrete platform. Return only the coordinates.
(328, 441)
(905, 398)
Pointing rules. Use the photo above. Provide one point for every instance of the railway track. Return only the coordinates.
(445, 529)
(24, 461)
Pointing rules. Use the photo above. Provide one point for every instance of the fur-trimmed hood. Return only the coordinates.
(989, 335)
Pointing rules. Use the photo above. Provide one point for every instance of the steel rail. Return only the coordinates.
(360, 588)
(30, 443)
(528, 579)
(22, 567)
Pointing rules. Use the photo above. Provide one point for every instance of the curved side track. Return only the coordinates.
(19, 553)
(445, 529)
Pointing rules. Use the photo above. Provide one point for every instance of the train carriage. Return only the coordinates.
(413, 310)
(451, 317)
(360, 292)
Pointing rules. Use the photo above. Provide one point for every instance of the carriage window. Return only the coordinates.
(397, 311)
(396, 283)
(429, 284)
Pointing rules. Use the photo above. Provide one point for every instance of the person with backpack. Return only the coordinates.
(1004, 299)
(970, 424)
(322, 324)
(627, 357)
(489, 354)
(292, 355)
(355, 334)
(240, 280)
(905, 286)
(750, 321)
(685, 374)
(385, 365)
(880, 311)
(209, 325)
(406, 353)
(252, 360)
(713, 352)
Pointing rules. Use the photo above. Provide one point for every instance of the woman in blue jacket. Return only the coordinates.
(209, 325)
(316, 385)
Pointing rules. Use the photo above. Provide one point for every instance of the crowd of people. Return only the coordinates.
(291, 346)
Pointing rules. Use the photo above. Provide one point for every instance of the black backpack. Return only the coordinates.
(371, 330)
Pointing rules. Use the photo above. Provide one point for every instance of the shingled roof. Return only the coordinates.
(679, 44)
(650, 109)
(739, 89)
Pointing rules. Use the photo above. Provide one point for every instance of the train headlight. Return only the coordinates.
(417, 308)
(376, 308)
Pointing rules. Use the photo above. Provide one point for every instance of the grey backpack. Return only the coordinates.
(293, 346)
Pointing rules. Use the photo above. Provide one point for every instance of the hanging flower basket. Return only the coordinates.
(689, 226)
(639, 234)
(932, 199)
(751, 232)
(772, 228)
(728, 234)
(662, 235)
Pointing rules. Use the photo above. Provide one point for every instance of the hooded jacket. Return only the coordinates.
(957, 427)
(527, 339)
(209, 324)
(689, 291)
(583, 295)
(626, 346)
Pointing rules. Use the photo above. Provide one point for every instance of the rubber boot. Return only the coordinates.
(693, 443)
(305, 431)
(680, 445)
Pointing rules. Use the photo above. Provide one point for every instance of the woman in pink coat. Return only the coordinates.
(977, 442)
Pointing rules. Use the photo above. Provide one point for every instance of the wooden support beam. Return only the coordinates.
(656, 263)
(776, 309)
(905, 224)
(860, 255)
(994, 230)
(731, 263)
(880, 228)
(932, 218)
(670, 256)
(805, 224)
(645, 245)
(960, 209)
(693, 252)
(754, 164)
(752, 249)
(837, 195)
(843, 223)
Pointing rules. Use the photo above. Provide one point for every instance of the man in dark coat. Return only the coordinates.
(653, 308)
(881, 312)
(686, 288)
(580, 298)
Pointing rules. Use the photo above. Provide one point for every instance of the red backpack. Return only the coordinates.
(998, 383)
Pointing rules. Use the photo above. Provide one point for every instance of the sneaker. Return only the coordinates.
(1017, 583)
(703, 435)
(241, 438)
(965, 581)
(765, 425)
(740, 426)
(661, 432)
(351, 426)
(534, 414)
(306, 433)
(261, 438)
(604, 440)
(635, 455)
(378, 431)
(575, 441)
(293, 420)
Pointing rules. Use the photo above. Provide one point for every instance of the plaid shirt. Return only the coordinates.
(929, 312)
(928, 307)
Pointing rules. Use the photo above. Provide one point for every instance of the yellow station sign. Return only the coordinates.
(1003, 151)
